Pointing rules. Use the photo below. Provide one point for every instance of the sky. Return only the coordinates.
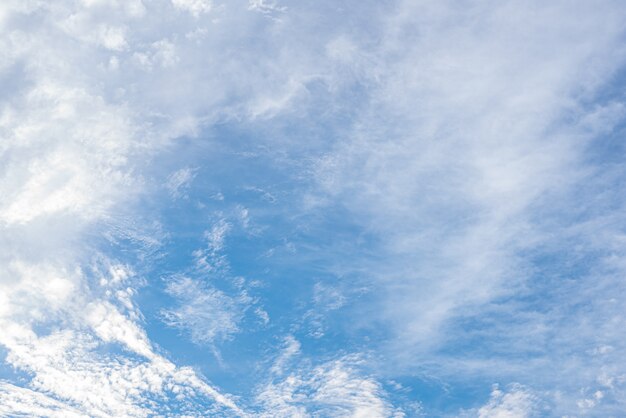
(278, 208)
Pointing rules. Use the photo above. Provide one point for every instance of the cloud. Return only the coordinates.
(515, 403)
(195, 7)
(209, 302)
(476, 127)
(17, 401)
(208, 314)
(179, 182)
(333, 388)
(474, 149)
(291, 348)
(266, 7)
(325, 300)
(78, 365)
(67, 365)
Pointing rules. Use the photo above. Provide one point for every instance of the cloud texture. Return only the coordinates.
(359, 209)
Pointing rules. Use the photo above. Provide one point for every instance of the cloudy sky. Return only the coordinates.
(278, 208)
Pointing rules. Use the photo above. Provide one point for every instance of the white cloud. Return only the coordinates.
(179, 182)
(461, 140)
(208, 314)
(17, 401)
(211, 259)
(161, 53)
(195, 7)
(325, 300)
(71, 364)
(265, 6)
(514, 403)
(291, 348)
(335, 388)
(68, 154)
(209, 303)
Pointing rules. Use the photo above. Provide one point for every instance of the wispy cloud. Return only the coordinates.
(179, 182)
(208, 314)
(490, 127)
(334, 388)
(515, 403)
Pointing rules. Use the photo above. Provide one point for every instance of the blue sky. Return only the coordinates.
(312, 209)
